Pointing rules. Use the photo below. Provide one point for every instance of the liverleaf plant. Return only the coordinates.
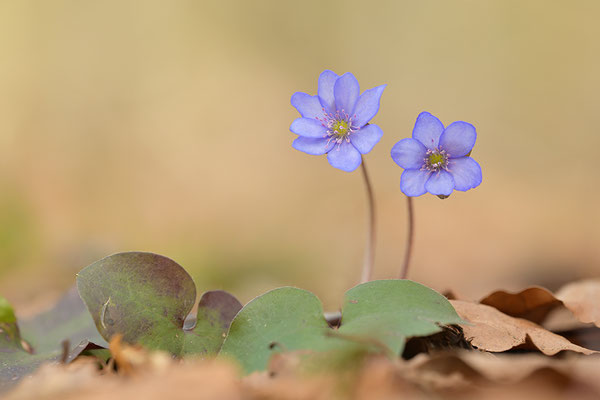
(146, 298)
(387, 311)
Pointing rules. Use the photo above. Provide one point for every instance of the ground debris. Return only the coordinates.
(536, 304)
(457, 374)
(492, 330)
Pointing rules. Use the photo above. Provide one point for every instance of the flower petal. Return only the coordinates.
(427, 130)
(314, 146)
(308, 127)
(326, 82)
(466, 173)
(409, 153)
(366, 138)
(440, 183)
(412, 182)
(458, 139)
(346, 91)
(344, 156)
(367, 105)
(308, 106)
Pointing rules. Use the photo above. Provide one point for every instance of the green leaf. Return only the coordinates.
(9, 330)
(146, 298)
(377, 316)
(7, 315)
(215, 312)
(67, 320)
(285, 319)
(62, 332)
(392, 311)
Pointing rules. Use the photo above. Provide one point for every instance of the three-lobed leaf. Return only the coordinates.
(146, 298)
(385, 312)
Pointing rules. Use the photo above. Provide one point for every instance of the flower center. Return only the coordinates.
(339, 126)
(436, 160)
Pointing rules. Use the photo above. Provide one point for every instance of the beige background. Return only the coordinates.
(163, 126)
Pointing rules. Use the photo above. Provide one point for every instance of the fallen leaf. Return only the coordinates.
(134, 358)
(469, 375)
(194, 380)
(533, 303)
(382, 379)
(499, 372)
(494, 331)
(536, 304)
(583, 299)
(588, 337)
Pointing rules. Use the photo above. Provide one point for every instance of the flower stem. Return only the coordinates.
(409, 239)
(370, 245)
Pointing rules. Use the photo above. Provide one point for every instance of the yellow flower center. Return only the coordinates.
(436, 159)
(340, 128)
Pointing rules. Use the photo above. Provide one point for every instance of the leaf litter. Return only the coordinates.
(444, 375)
(358, 374)
(492, 330)
(581, 298)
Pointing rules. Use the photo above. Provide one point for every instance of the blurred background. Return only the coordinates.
(163, 126)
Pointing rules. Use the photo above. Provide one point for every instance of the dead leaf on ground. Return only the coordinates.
(134, 358)
(197, 380)
(583, 299)
(494, 331)
(485, 374)
(533, 304)
(465, 375)
(382, 379)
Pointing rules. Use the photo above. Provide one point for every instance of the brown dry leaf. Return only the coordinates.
(464, 375)
(533, 303)
(494, 331)
(512, 374)
(198, 380)
(382, 379)
(132, 359)
(260, 385)
(53, 381)
(286, 363)
(583, 299)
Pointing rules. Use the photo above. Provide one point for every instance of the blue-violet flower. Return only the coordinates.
(335, 121)
(436, 159)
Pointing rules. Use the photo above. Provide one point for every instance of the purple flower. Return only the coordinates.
(334, 122)
(436, 160)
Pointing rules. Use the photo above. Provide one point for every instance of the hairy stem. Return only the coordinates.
(409, 239)
(370, 245)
